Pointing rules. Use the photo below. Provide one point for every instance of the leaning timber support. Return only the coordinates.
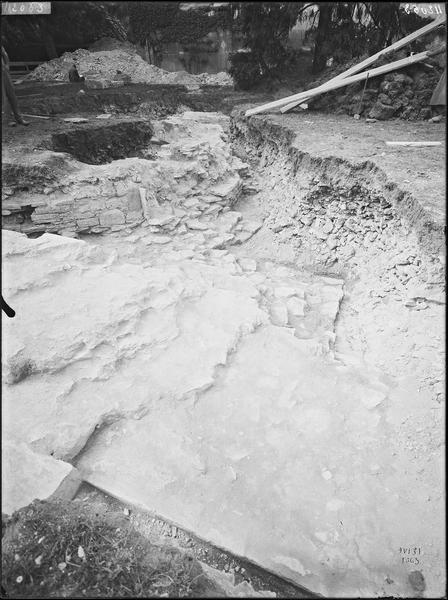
(303, 96)
(371, 59)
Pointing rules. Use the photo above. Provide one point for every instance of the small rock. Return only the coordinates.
(285, 292)
(69, 233)
(160, 221)
(158, 239)
(306, 219)
(371, 120)
(279, 314)
(320, 234)
(296, 306)
(252, 226)
(219, 242)
(327, 227)
(248, 264)
(196, 225)
(112, 217)
(332, 242)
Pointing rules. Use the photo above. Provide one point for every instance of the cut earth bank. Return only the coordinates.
(253, 350)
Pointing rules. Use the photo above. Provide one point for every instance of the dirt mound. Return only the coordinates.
(403, 94)
(122, 61)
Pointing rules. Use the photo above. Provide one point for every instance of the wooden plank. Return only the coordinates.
(416, 144)
(398, 64)
(36, 117)
(371, 59)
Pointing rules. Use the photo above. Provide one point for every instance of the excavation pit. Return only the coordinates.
(260, 327)
(105, 143)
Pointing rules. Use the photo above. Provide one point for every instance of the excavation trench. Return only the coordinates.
(258, 357)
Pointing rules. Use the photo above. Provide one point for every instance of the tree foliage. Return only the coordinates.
(265, 27)
(344, 30)
(158, 23)
(76, 23)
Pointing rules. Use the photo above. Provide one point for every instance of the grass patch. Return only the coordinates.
(66, 549)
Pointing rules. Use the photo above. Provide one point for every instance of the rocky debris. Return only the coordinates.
(111, 68)
(227, 582)
(403, 94)
(338, 224)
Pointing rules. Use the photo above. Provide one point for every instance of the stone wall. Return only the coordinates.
(183, 183)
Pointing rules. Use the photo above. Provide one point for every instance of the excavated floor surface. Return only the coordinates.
(197, 369)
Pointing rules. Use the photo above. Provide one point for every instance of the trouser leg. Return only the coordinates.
(8, 91)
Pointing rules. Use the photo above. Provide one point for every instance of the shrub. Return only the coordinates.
(245, 70)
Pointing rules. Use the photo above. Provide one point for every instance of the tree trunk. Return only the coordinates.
(50, 46)
(150, 51)
(323, 29)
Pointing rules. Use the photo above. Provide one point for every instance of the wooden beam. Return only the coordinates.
(371, 59)
(398, 64)
(416, 144)
(36, 117)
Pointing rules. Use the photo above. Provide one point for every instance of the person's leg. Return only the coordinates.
(11, 96)
(6, 109)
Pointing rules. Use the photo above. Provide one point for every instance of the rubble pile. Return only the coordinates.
(403, 94)
(119, 65)
(333, 220)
